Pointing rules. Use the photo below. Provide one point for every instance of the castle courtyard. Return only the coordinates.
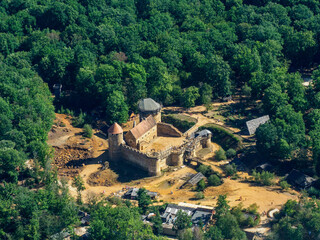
(163, 143)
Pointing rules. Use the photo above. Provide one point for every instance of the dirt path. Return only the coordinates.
(62, 131)
(168, 185)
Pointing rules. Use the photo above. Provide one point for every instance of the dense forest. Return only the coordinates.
(107, 54)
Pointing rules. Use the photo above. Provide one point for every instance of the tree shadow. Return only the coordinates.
(102, 135)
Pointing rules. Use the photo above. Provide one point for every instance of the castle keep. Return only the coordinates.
(136, 147)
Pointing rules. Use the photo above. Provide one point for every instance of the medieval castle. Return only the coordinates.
(136, 146)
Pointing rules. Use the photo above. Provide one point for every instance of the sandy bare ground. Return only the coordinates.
(168, 185)
(162, 143)
(58, 136)
(237, 191)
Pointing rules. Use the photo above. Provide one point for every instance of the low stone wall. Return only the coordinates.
(167, 130)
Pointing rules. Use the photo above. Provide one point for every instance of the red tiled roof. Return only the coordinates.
(143, 127)
(115, 129)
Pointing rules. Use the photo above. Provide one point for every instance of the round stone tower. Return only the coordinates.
(115, 139)
(149, 107)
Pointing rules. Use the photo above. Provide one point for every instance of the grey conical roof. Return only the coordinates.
(148, 105)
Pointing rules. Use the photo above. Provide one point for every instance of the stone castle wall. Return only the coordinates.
(154, 162)
(141, 160)
(167, 130)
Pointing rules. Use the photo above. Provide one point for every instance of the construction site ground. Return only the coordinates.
(162, 143)
(88, 155)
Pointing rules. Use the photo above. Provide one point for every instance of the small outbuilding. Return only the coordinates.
(299, 179)
(132, 194)
(149, 107)
(193, 180)
(57, 89)
(265, 167)
(203, 133)
(196, 178)
(253, 124)
(198, 214)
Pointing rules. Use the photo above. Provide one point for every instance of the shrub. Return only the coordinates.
(264, 178)
(250, 221)
(312, 191)
(267, 178)
(208, 106)
(230, 169)
(284, 185)
(220, 155)
(257, 220)
(87, 131)
(253, 208)
(127, 203)
(231, 153)
(199, 195)
(205, 170)
(69, 112)
(114, 200)
(214, 180)
(79, 121)
(201, 185)
(185, 234)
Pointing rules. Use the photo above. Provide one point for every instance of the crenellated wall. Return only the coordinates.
(154, 162)
(141, 160)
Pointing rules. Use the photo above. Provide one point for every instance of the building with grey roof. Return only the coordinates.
(149, 107)
(253, 124)
(133, 194)
(299, 179)
(201, 216)
(57, 90)
(265, 167)
(196, 178)
(203, 133)
(197, 213)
